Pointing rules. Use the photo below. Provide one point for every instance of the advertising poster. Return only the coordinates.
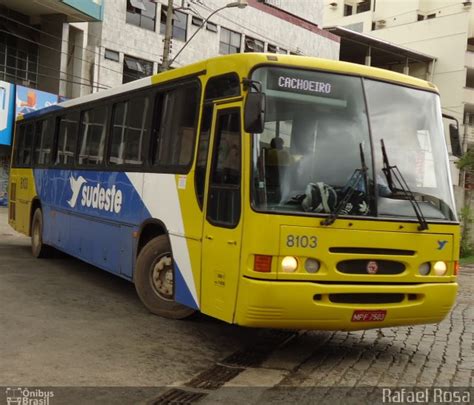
(30, 100)
(4, 170)
(7, 110)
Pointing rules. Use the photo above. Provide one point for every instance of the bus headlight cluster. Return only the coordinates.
(424, 269)
(289, 264)
(440, 268)
(312, 265)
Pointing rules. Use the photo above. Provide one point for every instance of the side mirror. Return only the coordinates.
(254, 115)
(455, 140)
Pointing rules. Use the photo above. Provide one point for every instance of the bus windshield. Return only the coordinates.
(316, 151)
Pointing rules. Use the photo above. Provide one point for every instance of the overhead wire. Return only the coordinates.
(268, 39)
(59, 51)
(90, 83)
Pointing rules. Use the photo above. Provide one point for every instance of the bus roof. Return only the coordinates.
(243, 63)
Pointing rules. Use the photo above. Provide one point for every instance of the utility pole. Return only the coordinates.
(168, 36)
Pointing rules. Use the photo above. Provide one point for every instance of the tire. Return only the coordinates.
(154, 280)
(38, 248)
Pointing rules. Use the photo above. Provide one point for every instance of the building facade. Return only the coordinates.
(36, 41)
(128, 42)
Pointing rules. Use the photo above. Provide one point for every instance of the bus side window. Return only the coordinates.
(129, 128)
(224, 188)
(92, 136)
(43, 142)
(24, 146)
(175, 141)
(67, 138)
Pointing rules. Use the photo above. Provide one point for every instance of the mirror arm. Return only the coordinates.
(252, 84)
(450, 117)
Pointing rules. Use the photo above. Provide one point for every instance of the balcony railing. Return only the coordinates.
(469, 133)
(468, 95)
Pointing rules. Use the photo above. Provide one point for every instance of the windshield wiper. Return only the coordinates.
(357, 176)
(392, 172)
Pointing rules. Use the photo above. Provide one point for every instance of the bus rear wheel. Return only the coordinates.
(154, 280)
(38, 248)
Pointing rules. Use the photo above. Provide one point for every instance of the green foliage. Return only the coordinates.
(466, 161)
(466, 220)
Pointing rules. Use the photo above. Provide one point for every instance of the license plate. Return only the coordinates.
(361, 315)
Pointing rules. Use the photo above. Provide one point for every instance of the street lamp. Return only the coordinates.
(235, 4)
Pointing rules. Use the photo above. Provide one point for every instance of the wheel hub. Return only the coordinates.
(162, 277)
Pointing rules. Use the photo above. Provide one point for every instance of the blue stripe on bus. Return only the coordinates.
(182, 293)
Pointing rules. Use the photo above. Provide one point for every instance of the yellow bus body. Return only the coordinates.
(222, 260)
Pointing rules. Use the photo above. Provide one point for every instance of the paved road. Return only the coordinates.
(65, 323)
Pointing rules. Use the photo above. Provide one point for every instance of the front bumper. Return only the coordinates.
(307, 305)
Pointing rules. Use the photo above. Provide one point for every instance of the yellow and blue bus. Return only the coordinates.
(262, 190)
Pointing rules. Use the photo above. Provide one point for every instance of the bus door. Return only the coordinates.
(222, 229)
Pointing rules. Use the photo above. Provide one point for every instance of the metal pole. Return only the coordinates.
(168, 35)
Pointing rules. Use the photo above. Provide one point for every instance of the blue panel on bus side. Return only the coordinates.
(102, 195)
(106, 210)
(92, 215)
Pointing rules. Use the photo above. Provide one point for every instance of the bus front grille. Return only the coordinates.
(371, 267)
(365, 298)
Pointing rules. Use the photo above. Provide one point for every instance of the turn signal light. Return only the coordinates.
(457, 267)
(262, 263)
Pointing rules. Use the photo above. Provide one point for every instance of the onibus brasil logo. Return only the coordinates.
(27, 396)
(98, 197)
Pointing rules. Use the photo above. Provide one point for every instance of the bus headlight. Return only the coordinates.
(289, 264)
(440, 268)
(424, 269)
(311, 265)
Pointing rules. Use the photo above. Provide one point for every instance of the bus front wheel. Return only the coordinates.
(38, 248)
(154, 280)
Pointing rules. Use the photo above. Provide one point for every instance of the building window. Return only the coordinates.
(347, 10)
(211, 27)
(18, 60)
(229, 42)
(180, 23)
(429, 16)
(134, 69)
(363, 6)
(112, 55)
(421, 17)
(196, 21)
(272, 48)
(254, 45)
(141, 13)
(283, 51)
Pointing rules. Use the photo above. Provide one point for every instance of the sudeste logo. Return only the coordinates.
(98, 197)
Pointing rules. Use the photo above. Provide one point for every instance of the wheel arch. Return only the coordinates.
(149, 229)
(35, 204)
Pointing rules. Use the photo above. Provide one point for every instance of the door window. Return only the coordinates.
(224, 191)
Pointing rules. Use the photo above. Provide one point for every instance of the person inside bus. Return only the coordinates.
(277, 161)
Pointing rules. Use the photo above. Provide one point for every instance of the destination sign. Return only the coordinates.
(305, 82)
(293, 83)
